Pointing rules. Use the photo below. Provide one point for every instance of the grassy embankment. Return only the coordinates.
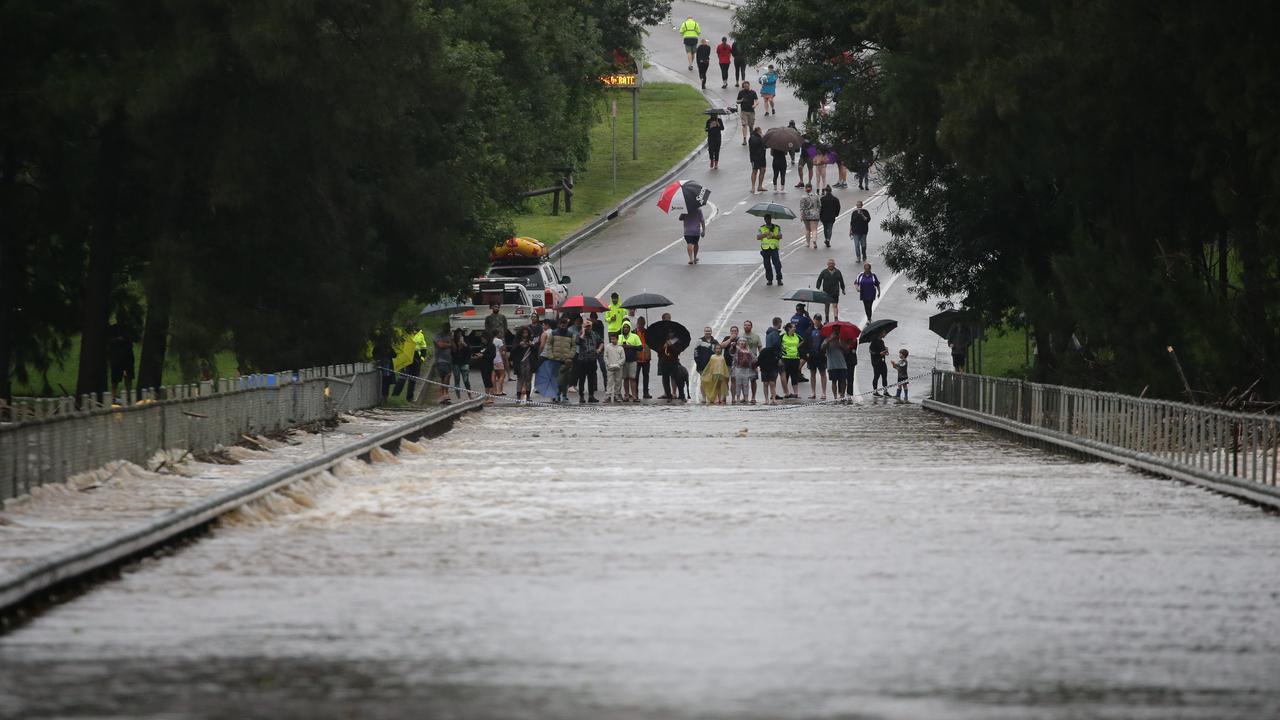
(671, 126)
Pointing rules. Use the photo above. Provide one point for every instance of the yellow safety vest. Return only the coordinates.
(690, 28)
(630, 339)
(791, 347)
(614, 317)
(419, 341)
(772, 237)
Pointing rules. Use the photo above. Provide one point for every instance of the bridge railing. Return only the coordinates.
(1218, 447)
(47, 442)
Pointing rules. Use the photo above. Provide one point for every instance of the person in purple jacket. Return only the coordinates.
(868, 288)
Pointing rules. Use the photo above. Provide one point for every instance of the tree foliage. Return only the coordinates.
(278, 175)
(1108, 171)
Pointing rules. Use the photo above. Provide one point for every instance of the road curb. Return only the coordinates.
(563, 247)
(717, 4)
(89, 558)
(1258, 494)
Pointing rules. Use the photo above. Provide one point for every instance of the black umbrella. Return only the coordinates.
(807, 295)
(774, 210)
(876, 327)
(646, 300)
(720, 111)
(942, 323)
(656, 335)
(786, 139)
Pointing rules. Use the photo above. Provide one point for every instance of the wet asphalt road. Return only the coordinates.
(820, 562)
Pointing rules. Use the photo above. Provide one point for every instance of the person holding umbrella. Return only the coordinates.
(879, 368)
(831, 282)
(770, 237)
(643, 358)
(816, 359)
(695, 228)
(715, 126)
(837, 369)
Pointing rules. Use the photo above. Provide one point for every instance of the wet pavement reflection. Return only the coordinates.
(661, 562)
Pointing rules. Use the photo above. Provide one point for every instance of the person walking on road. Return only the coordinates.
(747, 100)
(831, 282)
(703, 55)
(879, 370)
(806, 163)
(769, 89)
(756, 153)
(868, 288)
(690, 30)
(770, 237)
(715, 127)
(739, 62)
(695, 228)
(828, 211)
(809, 216)
(862, 171)
(959, 338)
(724, 55)
(779, 170)
(755, 344)
(859, 224)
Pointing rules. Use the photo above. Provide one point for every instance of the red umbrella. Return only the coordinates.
(848, 331)
(582, 303)
(682, 195)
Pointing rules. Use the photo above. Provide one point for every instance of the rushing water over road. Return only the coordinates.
(691, 562)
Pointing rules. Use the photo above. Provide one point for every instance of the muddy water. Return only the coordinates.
(690, 562)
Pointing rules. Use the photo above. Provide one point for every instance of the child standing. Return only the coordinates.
(901, 365)
(615, 356)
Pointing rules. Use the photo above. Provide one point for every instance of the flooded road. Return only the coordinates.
(673, 562)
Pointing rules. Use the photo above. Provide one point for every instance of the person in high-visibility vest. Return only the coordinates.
(631, 345)
(690, 30)
(614, 314)
(790, 360)
(770, 237)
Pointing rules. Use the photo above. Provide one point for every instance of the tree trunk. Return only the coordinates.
(10, 265)
(155, 335)
(96, 293)
(159, 286)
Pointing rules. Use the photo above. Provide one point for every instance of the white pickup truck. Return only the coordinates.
(547, 289)
(517, 306)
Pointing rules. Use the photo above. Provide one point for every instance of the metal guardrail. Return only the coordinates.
(1232, 452)
(83, 560)
(49, 447)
